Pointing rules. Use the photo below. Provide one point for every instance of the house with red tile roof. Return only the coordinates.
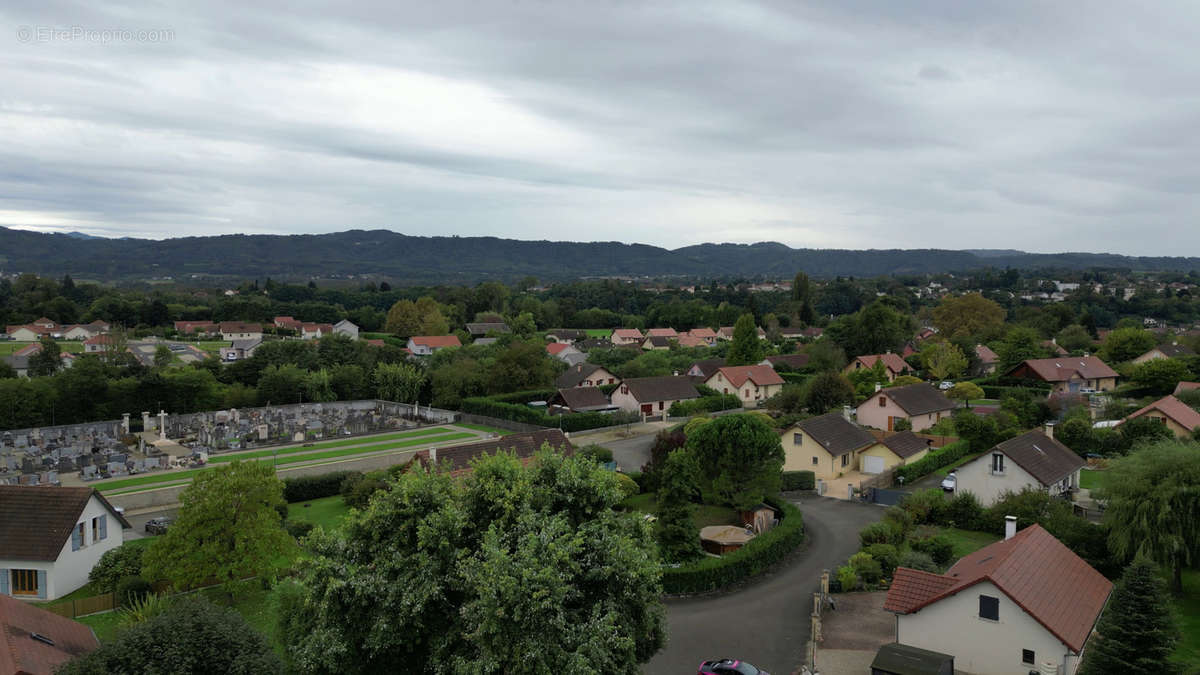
(627, 336)
(662, 332)
(288, 323)
(36, 641)
(1185, 386)
(27, 333)
(920, 404)
(1021, 604)
(707, 334)
(199, 327)
(726, 333)
(238, 330)
(987, 359)
(424, 345)
(315, 331)
(1173, 350)
(893, 365)
(751, 384)
(1068, 374)
(689, 340)
(1169, 411)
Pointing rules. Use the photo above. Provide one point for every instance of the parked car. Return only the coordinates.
(950, 482)
(946, 384)
(158, 525)
(729, 667)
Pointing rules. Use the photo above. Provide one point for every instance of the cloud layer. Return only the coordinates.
(856, 124)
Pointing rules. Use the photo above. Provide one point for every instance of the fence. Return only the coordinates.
(84, 606)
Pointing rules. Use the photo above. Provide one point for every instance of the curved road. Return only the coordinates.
(766, 622)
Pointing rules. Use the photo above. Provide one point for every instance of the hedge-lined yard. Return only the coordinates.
(933, 461)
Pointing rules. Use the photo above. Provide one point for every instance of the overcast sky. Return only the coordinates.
(1042, 126)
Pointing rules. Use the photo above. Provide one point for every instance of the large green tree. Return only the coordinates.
(745, 349)
(1019, 344)
(423, 317)
(827, 391)
(875, 329)
(943, 359)
(1125, 344)
(740, 457)
(47, 360)
(228, 529)
(514, 569)
(678, 536)
(1161, 375)
(1153, 498)
(969, 315)
(1137, 632)
(399, 382)
(192, 636)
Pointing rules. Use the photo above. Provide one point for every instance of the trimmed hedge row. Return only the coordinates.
(798, 480)
(525, 396)
(999, 392)
(754, 558)
(304, 488)
(705, 404)
(935, 460)
(523, 413)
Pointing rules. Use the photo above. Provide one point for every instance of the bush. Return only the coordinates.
(798, 480)
(705, 404)
(115, 565)
(925, 506)
(916, 560)
(304, 488)
(131, 589)
(866, 568)
(938, 547)
(755, 557)
(298, 528)
(493, 407)
(880, 533)
(629, 486)
(902, 520)
(847, 578)
(360, 494)
(902, 424)
(886, 555)
(636, 476)
(599, 453)
(964, 511)
(933, 461)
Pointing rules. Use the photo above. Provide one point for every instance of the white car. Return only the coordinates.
(950, 482)
(946, 384)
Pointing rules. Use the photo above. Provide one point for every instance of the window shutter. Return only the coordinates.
(75, 539)
(104, 526)
(3, 582)
(42, 584)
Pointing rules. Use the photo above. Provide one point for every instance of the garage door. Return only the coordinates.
(872, 464)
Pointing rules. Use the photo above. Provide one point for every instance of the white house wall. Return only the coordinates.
(976, 477)
(981, 646)
(70, 571)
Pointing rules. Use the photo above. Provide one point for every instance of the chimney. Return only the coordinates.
(878, 387)
(1010, 527)
(846, 413)
(1049, 429)
(579, 367)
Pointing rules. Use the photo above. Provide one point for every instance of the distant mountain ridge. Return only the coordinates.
(410, 259)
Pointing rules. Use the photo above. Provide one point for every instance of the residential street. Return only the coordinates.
(766, 622)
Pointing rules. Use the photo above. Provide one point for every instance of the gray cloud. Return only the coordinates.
(860, 124)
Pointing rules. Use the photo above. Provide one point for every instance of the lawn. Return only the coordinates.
(326, 511)
(983, 401)
(104, 624)
(967, 542)
(1089, 479)
(703, 515)
(7, 348)
(598, 332)
(352, 442)
(947, 469)
(212, 347)
(177, 476)
(484, 428)
(1187, 610)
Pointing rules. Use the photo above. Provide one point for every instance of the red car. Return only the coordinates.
(729, 667)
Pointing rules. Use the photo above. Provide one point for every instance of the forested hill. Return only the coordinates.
(470, 259)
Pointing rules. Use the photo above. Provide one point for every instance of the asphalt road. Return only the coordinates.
(767, 621)
(139, 521)
(631, 453)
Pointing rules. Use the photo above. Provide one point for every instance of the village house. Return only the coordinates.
(893, 365)
(892, 451)
(287, 323)
(588, 344)
(1023, 604)
(920, 404)
(726, 333)
(567, 335)
(1185, 386)
(691, 341)
(1173, 350)
(27, 333)
(37, 641)
(751, 384)
(1172, 413)
(483, 328)
(237, 330)
(424, 345)
(662, 332)
(1069, 375)
(240, 349)
(657, 342)
(195, 327)
(787, 362)
(457, 458)
(315, 331)
(1033, 459)
(585, 375)
(53, 536)
(987, 359)
(704, 369)
(347, 328)
(566, 353)
(578, 400)
(97, 344)
(19, 360)
(827, 445)
(707, 334)
(627, 336)
(653, 395)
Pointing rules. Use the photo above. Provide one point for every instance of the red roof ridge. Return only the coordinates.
(1177, 410)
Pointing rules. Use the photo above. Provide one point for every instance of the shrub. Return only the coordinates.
(917, 560)
(866, 568)
(758, 555)
(964, 511)
(629, 486)
(939, 547)
(902, 520)
(599, 453)
(880, 533)
(926, 506)
(933, 461)
(902, 424)
(131, 589)
(298, 528)
(304, 488)
(798, 480)
(886, 555)
(143, 608)
(705, 404)
(360, 493)
(636, 476)
(115, 565)
(847, 578)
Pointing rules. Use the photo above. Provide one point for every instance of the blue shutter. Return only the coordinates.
(42, 584)
(75, 539)
(3, 582)
(104, 526)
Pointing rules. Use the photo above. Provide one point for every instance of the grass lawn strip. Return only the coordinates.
(353, 442)
(1089, 479)
(967, 542)
(7, 348)
(484, 428)
(702, 514)
(950, 467)
(1187, 613)
(177, 476)
(327, 512)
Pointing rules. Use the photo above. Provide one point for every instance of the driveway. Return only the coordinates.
(838, 488)
(767, 621)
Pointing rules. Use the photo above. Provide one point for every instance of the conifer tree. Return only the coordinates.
(1137, 633)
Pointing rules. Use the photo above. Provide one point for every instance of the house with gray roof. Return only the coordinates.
(920, 404)
(828, 445)
(653, 395)
(1031, 460)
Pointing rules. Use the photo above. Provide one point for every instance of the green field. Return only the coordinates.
(348, 443)
(598, 332)
(1089, 479)
(326, 511)
(212, 346)
(178, 476)
(73, 346)
(967, 542)
(702, 514)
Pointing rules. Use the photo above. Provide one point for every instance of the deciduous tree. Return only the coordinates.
(827, 391)
(740, 457)
(678, 536)
(1125, 344)
(969, 315)
(943, 360)
(745, 349)
(399, 382)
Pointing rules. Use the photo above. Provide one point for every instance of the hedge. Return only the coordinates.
(755, 557)
(795, 378)
(999, 392)
(798, 480)
(705, 404)
(935, 460)
(525, 396)
(490, 407)
(304, 488)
